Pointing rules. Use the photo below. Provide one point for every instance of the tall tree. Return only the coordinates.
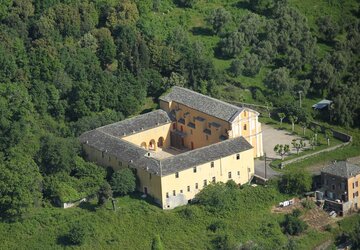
(293, 119)
(218, 19)
(279, 81)
(20, 185)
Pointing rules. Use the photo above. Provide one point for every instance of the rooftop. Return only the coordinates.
(322, 104)
(342, 169)
(205, 104)
(137, 157)
(136, 124)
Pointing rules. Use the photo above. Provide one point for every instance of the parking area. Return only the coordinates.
(272, 136)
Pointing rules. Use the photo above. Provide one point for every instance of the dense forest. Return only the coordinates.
(68, 66)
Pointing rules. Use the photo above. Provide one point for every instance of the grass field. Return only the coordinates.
(136, 222)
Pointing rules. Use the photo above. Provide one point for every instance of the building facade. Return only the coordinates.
(192, 141)
(340, 187)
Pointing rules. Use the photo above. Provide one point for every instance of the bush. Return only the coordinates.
(123, 181)
(218, 197)
(308, 204)
(296, 182)
(157, 244)
(77, 235)
(293, 225)
(217, 225)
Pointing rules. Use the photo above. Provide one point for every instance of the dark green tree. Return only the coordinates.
(57, 154)
(252, 64)
(236, 67)
(77, 234)
(218, 19)
(296, 182)
(20, 185)
(328, 28)
(232, 45)
(279, 81)
(105, 192)
(123, 181)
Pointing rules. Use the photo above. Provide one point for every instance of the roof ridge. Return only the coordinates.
(205, 147)
(206, 96)
(131, 118)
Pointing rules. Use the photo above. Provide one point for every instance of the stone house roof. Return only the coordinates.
(205, 104)
(136, 124)
(342, 169)
(203, 155)
(138, 157)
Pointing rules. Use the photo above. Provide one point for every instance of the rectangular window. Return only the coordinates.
(102, 154)
(205, 183)
(194, 169)
(167, 195)
(181, 191)
(188, 188)
(213, 179)
(353, 184)
(212, 164)
(150, 176)
(356, 184)
(196, 186)
(174, 193)
(229, 175)
(177, 175)
(237, 156)
(238, 173)
(333, 187)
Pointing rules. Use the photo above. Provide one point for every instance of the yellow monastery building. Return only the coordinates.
(191, 141)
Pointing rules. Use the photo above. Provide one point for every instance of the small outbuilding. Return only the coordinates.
(323, 104)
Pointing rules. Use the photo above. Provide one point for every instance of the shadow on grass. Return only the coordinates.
(148, 199)
(91, 207)
(63, 240)
(201, 31)
(146, 111)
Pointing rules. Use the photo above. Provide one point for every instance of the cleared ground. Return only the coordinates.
(272, 136)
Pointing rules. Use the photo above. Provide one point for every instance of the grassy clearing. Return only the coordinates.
(136, 222)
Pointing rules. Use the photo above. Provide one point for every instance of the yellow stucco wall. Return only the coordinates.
(196, 135)
(352, 189)
(222, 167)
(157, 186)
(151, 134)
(246, 124)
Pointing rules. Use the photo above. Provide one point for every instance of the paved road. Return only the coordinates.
(260, 169)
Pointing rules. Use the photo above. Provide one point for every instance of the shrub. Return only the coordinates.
(123, 181)
(217, 225)
(77, 235)
(293, 225)
(296, 182)
(104, 193)
(157, 244)
(308, 204)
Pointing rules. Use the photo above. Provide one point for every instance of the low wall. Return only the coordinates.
(337, 134)
(300, 158)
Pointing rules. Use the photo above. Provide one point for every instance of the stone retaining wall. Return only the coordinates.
(300, 158)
